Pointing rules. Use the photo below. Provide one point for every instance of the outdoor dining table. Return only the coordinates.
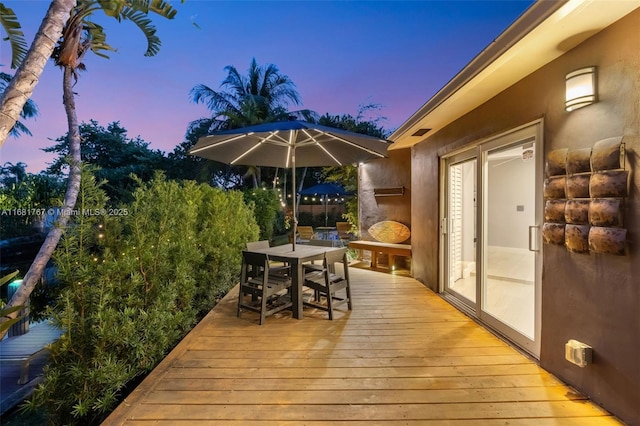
(301, 255)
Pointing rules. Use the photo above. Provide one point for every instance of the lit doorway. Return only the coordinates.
(491, 213)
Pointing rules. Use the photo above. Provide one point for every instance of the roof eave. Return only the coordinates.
(499, 56)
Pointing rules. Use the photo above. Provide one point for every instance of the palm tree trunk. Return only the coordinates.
(28, 74)
(73, 187)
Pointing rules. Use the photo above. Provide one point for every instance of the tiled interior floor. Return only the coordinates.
(509, 295)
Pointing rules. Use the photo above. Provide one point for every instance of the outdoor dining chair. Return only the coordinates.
(269, 293)
(326, 282)
(305, 233)
(344, 231)
(275, 268)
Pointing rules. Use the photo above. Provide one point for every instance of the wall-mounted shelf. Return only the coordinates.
(388, 192)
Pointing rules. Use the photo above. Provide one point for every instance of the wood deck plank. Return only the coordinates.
(367, 383)
(566, 421)
(402, 356)
(373, 412)
(379, 396)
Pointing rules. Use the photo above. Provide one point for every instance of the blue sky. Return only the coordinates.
(340, 54)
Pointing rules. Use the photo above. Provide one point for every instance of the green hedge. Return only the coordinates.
(136, 281)
(266, 207)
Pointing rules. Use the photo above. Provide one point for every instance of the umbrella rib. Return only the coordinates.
(329, 154)
(244, 154)
(193, 151)
(370, 151)
(314, 141)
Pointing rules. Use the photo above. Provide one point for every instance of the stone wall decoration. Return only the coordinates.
(579, 161)
(605, 212)
(578, 185)
(577, 212)
(576, 238)
(607, 154)
(556, 162)
(608, 240)
(609, 183)
(584, 194)
(554, 211)
(553, 233)
(554, 187)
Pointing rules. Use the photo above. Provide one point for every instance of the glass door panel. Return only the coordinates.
(509, 281)
(461, 229)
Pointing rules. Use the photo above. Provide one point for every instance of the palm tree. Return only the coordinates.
(31, 62)
(13, 173)
(263, 95)
(29, 109)
(81, 35)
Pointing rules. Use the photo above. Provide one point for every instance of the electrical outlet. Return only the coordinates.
(578, 353)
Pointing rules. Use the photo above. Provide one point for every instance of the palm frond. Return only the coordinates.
(143, 22)
(112, 8)
(214, 101)
(19, 129)
(15, 36)
(163, 9)
(97, 39)
(255, 74)
(198, 128)
(6, 278)
(234, 81)
(200, 93)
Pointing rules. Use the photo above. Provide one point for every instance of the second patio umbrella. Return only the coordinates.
(289, 144)
(327, 190)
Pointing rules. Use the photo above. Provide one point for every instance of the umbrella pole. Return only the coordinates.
(293, 184)
(326, 201)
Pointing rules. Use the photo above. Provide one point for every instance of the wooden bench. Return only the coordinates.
(376, 247)
(23, 348)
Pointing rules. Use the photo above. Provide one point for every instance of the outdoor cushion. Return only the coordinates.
(389, 231)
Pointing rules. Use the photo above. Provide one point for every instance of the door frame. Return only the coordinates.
(532, 130)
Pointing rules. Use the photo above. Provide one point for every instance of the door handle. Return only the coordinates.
(531, 239)
(444, 225)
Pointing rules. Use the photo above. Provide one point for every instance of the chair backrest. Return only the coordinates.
(257, 245)
(344, 229)
(332, 257)
(254, 264)
(305, 232)
(335, 256)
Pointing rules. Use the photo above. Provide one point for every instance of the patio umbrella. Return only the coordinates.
(325, 189)
(289, 144)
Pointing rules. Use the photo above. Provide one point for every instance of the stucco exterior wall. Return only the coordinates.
(591, 298)
(394, 171)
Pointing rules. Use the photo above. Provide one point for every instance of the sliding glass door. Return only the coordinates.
(492, 206)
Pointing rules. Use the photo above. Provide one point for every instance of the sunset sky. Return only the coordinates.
(340, 54)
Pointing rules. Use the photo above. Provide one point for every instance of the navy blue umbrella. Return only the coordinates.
(326, 190)
(287, 144)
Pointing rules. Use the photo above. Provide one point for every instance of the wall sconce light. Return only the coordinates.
(581, 88)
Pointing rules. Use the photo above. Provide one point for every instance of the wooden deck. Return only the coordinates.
(403, 356)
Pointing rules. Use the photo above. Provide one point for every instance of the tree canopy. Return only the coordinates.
(116, 158)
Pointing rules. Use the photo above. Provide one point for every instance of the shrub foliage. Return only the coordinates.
(136, 280)
(266, 207)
